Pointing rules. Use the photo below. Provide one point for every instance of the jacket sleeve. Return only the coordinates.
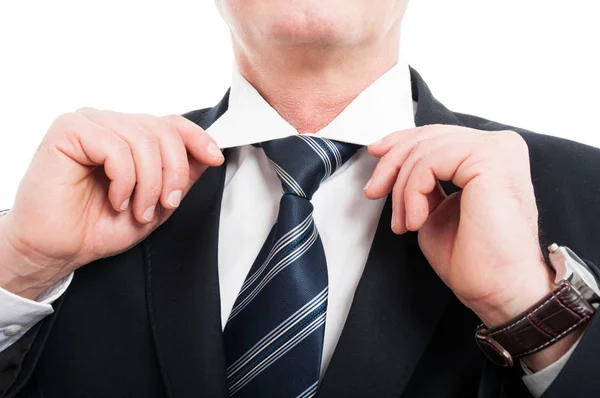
(18, 361)
(18, 314)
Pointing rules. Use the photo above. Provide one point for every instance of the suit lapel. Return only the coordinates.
(397, 304)
(182, 286)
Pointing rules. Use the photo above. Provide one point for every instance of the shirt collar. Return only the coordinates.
(382, 108)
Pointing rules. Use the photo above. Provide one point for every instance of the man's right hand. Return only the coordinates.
(99, 183)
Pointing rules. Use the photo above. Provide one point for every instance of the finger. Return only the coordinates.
(145, 148)
(436, 159)
(196, 171)
(413, 155)
(175, 166)
(197, 142)
(422, 196)
(385, 173)
(383, 146)
(100, 147)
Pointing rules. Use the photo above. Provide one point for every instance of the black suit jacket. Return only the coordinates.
(146, 323)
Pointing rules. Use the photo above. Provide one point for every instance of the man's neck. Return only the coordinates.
(309, 87)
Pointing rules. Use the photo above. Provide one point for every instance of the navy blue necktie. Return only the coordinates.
(274, 335)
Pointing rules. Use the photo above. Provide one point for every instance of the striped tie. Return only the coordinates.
(274, 335)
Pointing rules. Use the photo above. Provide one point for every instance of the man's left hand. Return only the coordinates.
(482, 241)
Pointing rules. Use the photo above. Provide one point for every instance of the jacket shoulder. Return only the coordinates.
(549, 150)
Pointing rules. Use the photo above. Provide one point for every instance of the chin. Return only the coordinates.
(314, 31)
(301, 21)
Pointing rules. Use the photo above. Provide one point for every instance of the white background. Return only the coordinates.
(531, 63)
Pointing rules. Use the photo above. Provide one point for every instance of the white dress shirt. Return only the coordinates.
(251, 200)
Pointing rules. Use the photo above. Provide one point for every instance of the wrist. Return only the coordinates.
(19, 273)
(517, 298)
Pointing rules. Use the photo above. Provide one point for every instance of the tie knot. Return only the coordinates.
(302, 162)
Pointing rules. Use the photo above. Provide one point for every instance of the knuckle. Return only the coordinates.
(388, 161)
(123, 152)
(153, 189)
(143, 116)
(65, 128)
(417, 147)
(147, 140)
(128, 178)
(420, 148)
(421, 129)
(175, 122)
(167, 129)
(64, 120)
(147, 121)
(181, 171)
(420, 165)
(434, 128)
(177, 173)
(153, 125)
(85, 110)
(511, 140)
(172, 118)
(121, 148)
(512, 136)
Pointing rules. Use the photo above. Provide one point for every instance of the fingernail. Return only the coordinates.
(214, 150)
(368, 184)
(174, 198)
(149, 213)
(125, 204)
(393, 220)
(376, 142)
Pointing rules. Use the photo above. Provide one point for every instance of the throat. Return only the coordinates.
(309, 115)
(308, 93)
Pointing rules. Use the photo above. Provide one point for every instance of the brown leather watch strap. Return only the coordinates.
(552, 318)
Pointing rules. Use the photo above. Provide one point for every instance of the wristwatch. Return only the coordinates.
(569, 306)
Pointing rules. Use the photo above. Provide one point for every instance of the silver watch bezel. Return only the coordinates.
(568, 266)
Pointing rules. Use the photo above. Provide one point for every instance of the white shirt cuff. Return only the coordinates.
(538, 382)
(18, 314)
